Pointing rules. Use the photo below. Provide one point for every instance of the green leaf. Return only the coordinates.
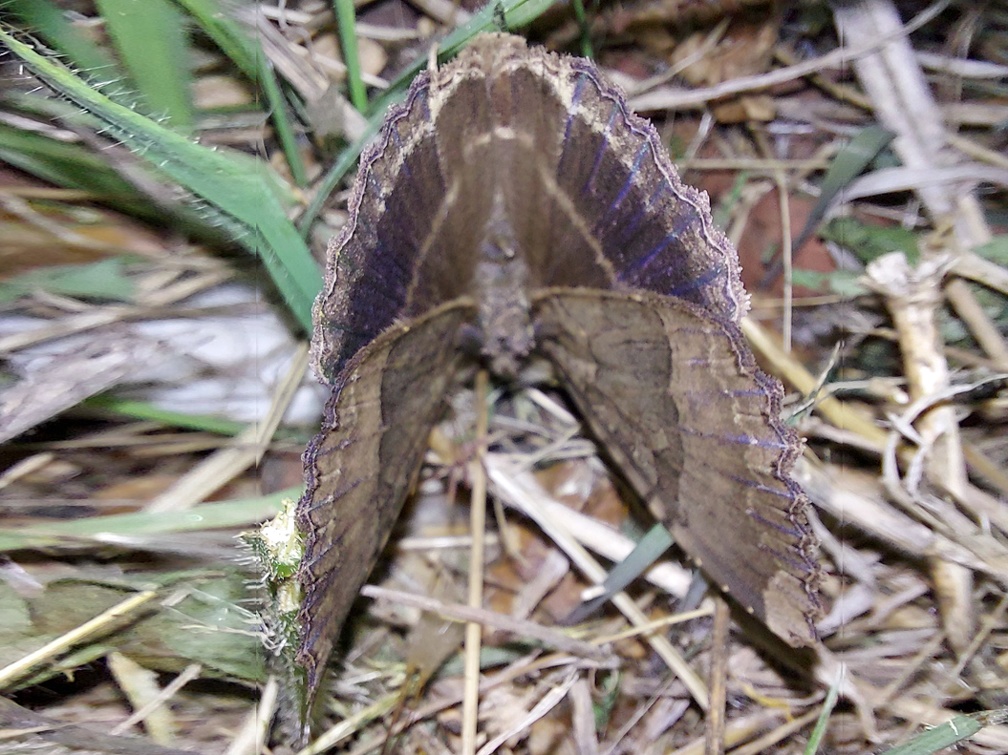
(995, 250)
(247, 54)
(140, 524)
(151, 40)
(209, 627)
(649, 549)
(48, 21)
(949, 733)
(847, 165)
(105, 280)
(840, 282)
(244, 194)
(346, 23)
(203, 624)
(869, 242)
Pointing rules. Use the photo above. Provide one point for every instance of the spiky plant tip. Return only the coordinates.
(276, 550)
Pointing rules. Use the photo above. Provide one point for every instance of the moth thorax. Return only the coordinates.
(501, 277)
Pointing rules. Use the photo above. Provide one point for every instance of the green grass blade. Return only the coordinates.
(207, 516)
(68, 165)
(152, 43)
(517, 13)
(281, 121)
(47, 20)
(105, 280)
(346, 23)
(245, 192)
(649, 549)
(75, 166)
(229, 36)
(246, 53)
(847, 165)
(146, 411)
(869, 242)
(340, 167)
(949, 733)
(819, 730)
(582, 21)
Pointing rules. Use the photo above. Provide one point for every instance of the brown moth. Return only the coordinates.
(515, 197)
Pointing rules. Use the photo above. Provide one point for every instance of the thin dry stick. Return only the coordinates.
(497, 621)
(636, 631)
(841, 92)
(848, 497)
(616, 742)
(976, 268)
(787, 253)
(443, 11)
(477, 523)
(522, 491)
(903, 103)
(139, 686)
(911, 667)
(549, 701)
(353, 724)
(77, 319)
(583, 726)
(190, 672)
(22, 666)
(767, 741)
(665, 99)
(988, 625)
(253, 734)
(844, 415)
(912, 297)
(739, 730)
(986, 468)
(972, 313)
(528, 666)
(718, 681)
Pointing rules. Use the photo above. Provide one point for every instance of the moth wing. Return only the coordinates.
(677, 402)
(362, 465)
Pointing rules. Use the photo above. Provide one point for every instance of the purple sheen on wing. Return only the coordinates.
(793, 532)
(781, 492)
(696, 283)
(602, 150)
(735, 439)
(582, 80)
(642, 151)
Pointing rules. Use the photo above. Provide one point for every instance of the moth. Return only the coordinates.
(514, 197)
